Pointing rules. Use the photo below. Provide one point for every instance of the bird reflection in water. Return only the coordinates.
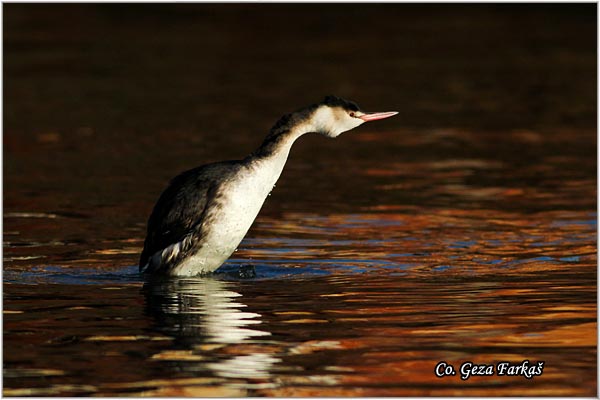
(206, 319)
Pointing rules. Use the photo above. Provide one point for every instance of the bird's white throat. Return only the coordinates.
(329, 123)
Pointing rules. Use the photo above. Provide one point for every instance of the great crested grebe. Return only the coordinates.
(204, 213)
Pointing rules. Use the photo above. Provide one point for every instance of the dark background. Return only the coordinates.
(121, 66)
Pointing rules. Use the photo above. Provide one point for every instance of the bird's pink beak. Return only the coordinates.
(377, 115)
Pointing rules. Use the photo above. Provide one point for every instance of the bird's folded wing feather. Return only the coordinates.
(178, 212)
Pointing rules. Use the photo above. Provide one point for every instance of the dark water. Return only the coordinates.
(462, 230)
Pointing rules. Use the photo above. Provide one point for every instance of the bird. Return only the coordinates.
(204, 213)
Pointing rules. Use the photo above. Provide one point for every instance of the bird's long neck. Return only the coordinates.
(283, 135)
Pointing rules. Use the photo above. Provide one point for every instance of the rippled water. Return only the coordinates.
(379, 254)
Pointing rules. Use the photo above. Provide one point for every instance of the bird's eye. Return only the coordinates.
(352, 114)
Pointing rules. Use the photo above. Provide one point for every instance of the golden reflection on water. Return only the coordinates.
(362, 304)
(369, 334)
(378, 255)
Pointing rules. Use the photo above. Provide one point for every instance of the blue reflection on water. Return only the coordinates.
(55, 274)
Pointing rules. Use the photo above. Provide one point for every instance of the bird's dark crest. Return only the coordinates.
(334, 101)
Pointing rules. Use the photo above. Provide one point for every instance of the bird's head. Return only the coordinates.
(334, 116)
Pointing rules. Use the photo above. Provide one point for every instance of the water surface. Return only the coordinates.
(462, 230)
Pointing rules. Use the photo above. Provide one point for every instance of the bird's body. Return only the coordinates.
(204, 213)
